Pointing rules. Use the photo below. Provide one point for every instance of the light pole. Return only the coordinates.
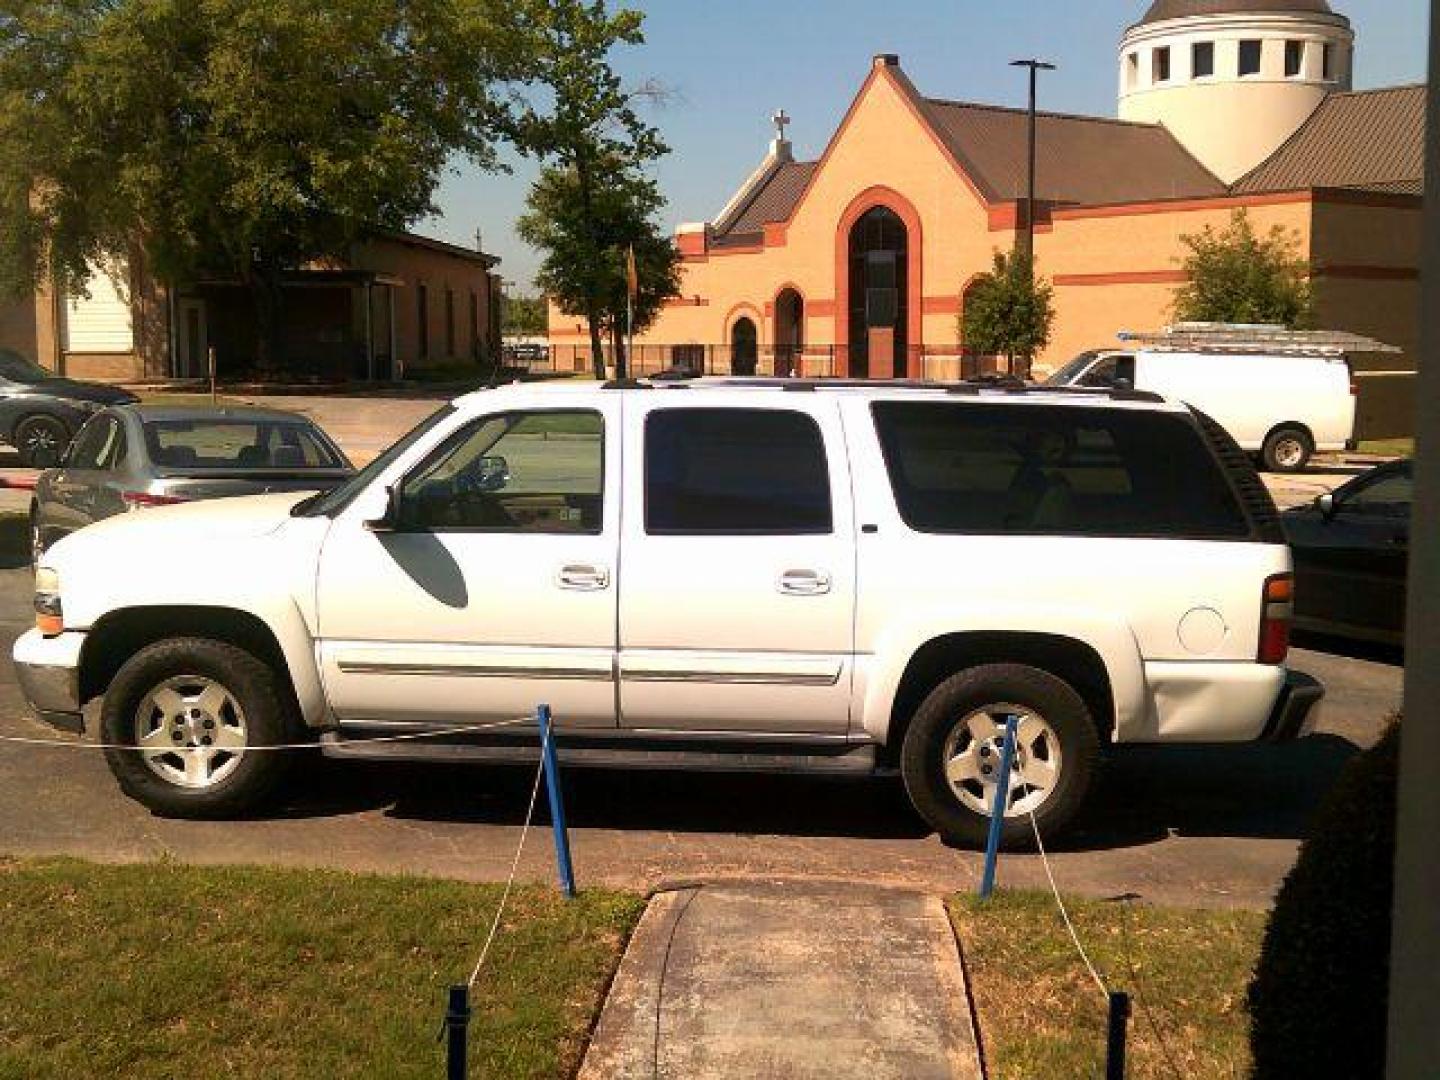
(1035, 66)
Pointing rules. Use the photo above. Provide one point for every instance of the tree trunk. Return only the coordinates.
(267, 297)
(597, 346)
(595, 306)
(617, 348)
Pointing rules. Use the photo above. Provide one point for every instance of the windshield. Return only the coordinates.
(239, 445)
(335, 500)
(1067, 374)
(16, 368)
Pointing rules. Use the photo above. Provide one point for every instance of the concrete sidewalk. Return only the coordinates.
(788, 980)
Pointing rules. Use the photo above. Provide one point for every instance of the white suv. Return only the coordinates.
(711, 574)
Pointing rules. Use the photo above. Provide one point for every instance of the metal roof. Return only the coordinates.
(1081, 160)
(1163, 10)
(1370, 140)
(774, 200)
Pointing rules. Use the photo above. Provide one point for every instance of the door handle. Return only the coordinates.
(804, 583)
(583, 577)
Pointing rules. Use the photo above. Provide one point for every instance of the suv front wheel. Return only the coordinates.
(196, 712)
(951, 756)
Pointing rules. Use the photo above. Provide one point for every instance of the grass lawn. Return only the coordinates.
(1042, 1015)
(1389, 447)
(160, 970)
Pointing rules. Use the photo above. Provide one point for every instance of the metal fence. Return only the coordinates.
(930, 363)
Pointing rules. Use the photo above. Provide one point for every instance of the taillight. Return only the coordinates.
(144, 498)
(1276, 611)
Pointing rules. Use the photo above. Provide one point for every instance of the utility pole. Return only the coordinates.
(1035, 66)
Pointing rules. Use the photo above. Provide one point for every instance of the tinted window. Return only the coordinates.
(1031, 469)
(1250, 57)
(541, 472)
(742, 471)
(1384, 496)
(1111, 371)
(94, 447)
(16, 368)
(1202, 59)
(237, 445)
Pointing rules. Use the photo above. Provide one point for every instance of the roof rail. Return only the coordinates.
(1209, 337)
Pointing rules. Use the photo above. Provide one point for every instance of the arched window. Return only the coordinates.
(879, 294)
(744, 346)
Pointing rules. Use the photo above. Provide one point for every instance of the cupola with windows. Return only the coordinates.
(1233, 79)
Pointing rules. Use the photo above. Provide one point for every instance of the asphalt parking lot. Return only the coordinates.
(1210, 826)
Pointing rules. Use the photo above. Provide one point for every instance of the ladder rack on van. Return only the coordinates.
(1254, 337)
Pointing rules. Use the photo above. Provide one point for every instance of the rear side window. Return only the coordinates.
(735, 471)
(1038, 470)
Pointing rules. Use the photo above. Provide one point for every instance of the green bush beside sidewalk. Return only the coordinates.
(160, 970)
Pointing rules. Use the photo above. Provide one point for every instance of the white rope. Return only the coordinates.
(1045, 861)
(514, 868)
(76, 744)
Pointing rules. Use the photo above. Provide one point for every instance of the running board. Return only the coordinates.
(842, 759)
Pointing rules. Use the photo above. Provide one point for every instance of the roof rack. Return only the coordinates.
(1004, 384)
(1210, 337)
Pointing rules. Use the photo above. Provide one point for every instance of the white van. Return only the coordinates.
(1282, 395)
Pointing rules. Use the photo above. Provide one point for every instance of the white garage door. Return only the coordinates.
(100, 323)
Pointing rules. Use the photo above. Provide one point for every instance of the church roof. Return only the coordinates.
(1162, 10)
(1371, 140)
(1081, 160)
(774, 200)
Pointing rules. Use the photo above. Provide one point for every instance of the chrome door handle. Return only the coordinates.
(804, 583)
(583, 577)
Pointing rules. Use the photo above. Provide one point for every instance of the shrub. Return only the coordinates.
(1318, 998)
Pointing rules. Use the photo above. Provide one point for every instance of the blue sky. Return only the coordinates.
(731, 63)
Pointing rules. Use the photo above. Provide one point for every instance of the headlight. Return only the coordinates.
(49, 616)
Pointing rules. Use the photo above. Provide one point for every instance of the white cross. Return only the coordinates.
(781, 119)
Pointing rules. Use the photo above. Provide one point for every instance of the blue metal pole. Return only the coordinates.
(457, 1020)
(997, 812)
(1115, 1042)
(557, 801)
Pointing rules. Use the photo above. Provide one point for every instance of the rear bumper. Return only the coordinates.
(1294, 714)
(48, 670)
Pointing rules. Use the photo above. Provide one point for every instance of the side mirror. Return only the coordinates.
(389, 521)
(492, 473)
(1326, 505)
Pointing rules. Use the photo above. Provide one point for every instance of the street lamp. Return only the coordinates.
(1035, 66)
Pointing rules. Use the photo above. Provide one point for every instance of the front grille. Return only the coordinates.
(1249, 488)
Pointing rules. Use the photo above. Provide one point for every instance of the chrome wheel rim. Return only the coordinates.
(42, 444)
(1289, 453)
(973, 752)
(190, 731)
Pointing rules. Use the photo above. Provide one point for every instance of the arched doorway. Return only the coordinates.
(744, 346)
(879, 294)
(789, 332)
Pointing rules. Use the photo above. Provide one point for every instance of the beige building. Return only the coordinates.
(398, 305)
(858, 263)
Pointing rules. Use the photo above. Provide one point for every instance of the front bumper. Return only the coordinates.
(1294, 714)
(48, 670)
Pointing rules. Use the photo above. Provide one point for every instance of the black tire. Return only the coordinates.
(268, 720)
(922, 755)
(41, 441)
(1287, 450)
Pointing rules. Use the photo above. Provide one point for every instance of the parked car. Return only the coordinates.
(41, 412)
(1351, 550)
(1277, 401)
(135, 456)
(716, 574)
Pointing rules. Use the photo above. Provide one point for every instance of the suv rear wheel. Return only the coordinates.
(1286, 450)
(951, 756)
(195, 710)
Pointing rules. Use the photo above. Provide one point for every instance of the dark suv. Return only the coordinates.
(40, 412)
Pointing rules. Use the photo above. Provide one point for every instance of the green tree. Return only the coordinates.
(586, 240)
(523, 315)
(234, 138)
(1239, 276)
(1008, 312)
(594, 192)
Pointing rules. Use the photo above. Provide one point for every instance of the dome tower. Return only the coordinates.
(1233, 79)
